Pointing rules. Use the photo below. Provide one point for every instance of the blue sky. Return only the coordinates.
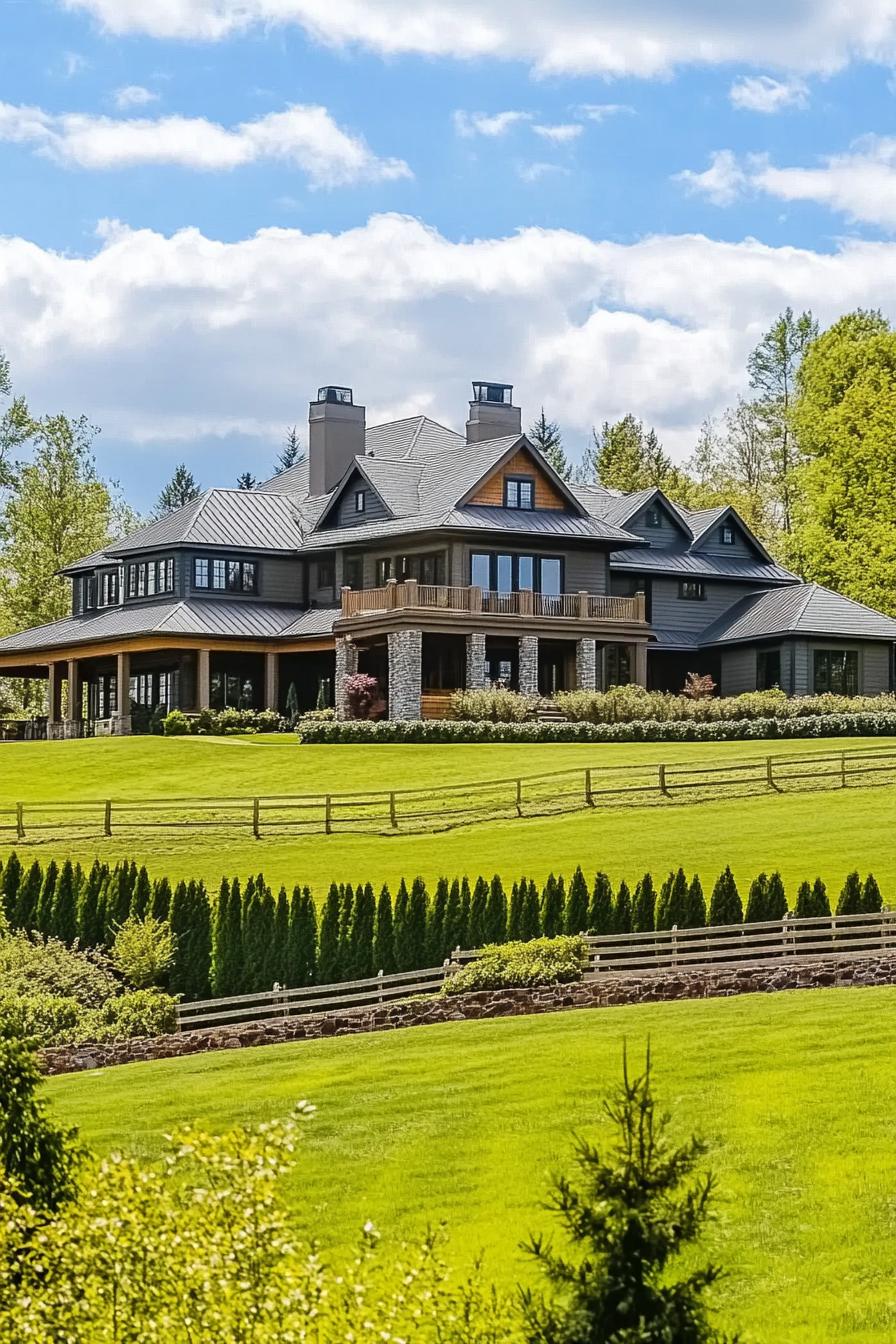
(603, 203)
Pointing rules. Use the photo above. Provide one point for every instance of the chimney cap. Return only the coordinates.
(495, 394)
(336, 396)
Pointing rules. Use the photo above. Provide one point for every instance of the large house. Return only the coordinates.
(434, 560)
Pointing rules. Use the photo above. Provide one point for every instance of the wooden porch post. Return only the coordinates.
(640, 663)
(73, 710)
(272, 680)
(123, 689)
(203, 679)
(54, 696)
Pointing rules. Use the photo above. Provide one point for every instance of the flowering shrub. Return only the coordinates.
(541, 961)
(222, 722)
(363, 697)
(494, 705)
(697, 687)
(631, 704)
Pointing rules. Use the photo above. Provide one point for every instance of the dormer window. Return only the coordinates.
(519, 492)
(653, 518)
(726, 534)
(360, 501)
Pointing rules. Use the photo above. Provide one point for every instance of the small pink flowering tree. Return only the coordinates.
(362, 695)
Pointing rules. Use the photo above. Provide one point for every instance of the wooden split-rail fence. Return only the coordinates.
(443, 806)
(722, 947)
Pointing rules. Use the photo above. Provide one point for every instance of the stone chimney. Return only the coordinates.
(335, 437)
(492, 413)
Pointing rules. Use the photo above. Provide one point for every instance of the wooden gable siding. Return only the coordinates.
(547, 496)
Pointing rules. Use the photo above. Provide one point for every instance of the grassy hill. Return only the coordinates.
(794, 1092)
(802, 834)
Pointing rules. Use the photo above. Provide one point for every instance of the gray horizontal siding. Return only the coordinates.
(280, 580)
(667, 534)
(344, 514)
(738, 671)
(674, 613)
(741, 549)
(585, 570)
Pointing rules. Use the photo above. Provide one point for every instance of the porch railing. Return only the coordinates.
(473, 600)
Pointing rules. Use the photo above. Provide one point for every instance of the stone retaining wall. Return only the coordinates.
(609, 990)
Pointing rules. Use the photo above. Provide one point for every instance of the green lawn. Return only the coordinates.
(795, 1092)
(803, 835)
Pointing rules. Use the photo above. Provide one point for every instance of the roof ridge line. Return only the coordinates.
(811, 586)
(421, 420)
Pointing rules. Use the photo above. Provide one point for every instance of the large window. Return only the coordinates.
(353, 571)
(383, 571)
(224, 574)
(506, 573)
(88, 592)
(618, 665)
(519, 492)
(150, 578)
(692, 590)
(426, 567)
(326, 573)
(152, 689)
(768, 669)
(109, 588)
(836, 670)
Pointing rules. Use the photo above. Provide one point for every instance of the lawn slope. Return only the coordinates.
(795, 1092)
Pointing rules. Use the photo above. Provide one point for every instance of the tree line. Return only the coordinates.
(244, 938)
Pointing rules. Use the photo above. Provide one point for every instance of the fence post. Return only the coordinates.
(379, 976)
(519, 797)
(589, 796)
(107, 817)
(393, 819)
(20, 821)
(843, 769)
(768, 774)
(255, 819)
(328, 816)
(662, 780)
(673, 943)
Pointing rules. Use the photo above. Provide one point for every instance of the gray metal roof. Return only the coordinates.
(314, 621)
(698, 564)
(804, 609)
(671, 641)
(250, 519)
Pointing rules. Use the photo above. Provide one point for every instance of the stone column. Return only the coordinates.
(73, 713)
(586, 664)
(122, 721)
(639, 664)
(528, 645)
(346, 666)
(203, 678)
(271, 681)
(405, 670)
(475, 678)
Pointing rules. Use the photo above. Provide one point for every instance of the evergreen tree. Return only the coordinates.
(246, 481)
(281, 938)
(455, 928)
(416, 925)
(38, 1160)
(545, 434)
(302, 949)
(496, 913)
(515, 915)
(363, 933)
(600, 914)
(478, 908)
(399, 924)
(695, 905)
(622, 910)
(12, 876)
(141, 896)
(552, 910)
(437, 949)
(258, 940)
(775, 897)
(725, 905)
(328, 956)
(64, 913)
(191, 923)
(644, 908)
(226, 941)
(384, 942)
(43, 920)
(27, 897)
(636, 1207)
(803, 908)
(118, 901)
(160, 905)
(346, 920)
(850, 902)
(90, 915)
(577, 903)
(872, 901)
(466, 907)
(532, 927)
(290, 453)
(180, 490)
(757, 900)
(820, 898)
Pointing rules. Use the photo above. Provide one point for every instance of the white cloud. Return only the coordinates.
(492, 124)
(561, 134)
(534, 172)
(761, 93)
(305, 137)
(603, 111)
(161, 338)
(133, 95)
(73, 63)
(615, 37)
(722, 182)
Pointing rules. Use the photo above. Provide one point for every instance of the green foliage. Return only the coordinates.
(141, 895)
(553, 919)
(281, 938)
(622, 910)
(757, 900)
(672, 907)
(437, 947)
(872, 901)
(38, 1159)
(496, 912)
(142, 1012)
(226, 939)
(577, 904)
(191, 928)
(27, 898)
(478, 907)
(9, 889)
(91, 923)
(491, 706)
(725, 906)
(543, 961)
(545, 434)
(625, 457)
(258, 936)
(181, 489)
(63, 922)
(302, 947)
(644, 907)
(600, 913)
(850, 902)
(414, 942)
(812, 901)
(695, 905)
(43, 919)
(384, 938)
(635, 1209)
(775, 897)
(143, 950)
(176, 724)
(531, 918)
(160, 905)
(363, 928)
(328, 955)
(31, 966)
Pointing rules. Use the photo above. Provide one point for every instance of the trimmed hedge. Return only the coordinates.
(353, 731)
(543, 961)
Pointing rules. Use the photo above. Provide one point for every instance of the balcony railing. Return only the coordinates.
(411, 595)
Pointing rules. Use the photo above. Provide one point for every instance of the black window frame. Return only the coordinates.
(726, 534)
(699, 593)
(515, 556)
(325, 572)
(151, 578)
(823, 661)
(653, 517)
(353, 569)
(225, 574)
(108, 595)
(385, 570)
(360, 500)
(764, 659)
(513, 486)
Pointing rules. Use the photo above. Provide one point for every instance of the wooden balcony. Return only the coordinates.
(436, 599)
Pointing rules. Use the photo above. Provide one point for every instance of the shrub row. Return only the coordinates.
(543, 961)
(222, 722)
(864, 724)
(253, 938)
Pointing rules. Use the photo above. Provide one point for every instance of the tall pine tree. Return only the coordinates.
(757, 900)
(622, 910)
(725, 905)
(384, 940)
(775, 897)
(531, 912)
(363, 927)
(644, 906)
(27, 897)
(437, 947)
(478, 908)
(43, 920)
(64, 917)
(90, 915)
(417, 920)
(496, 912)
(695, 907)
(9, 888)
(600, 913)
(552, 908)
(328, 955)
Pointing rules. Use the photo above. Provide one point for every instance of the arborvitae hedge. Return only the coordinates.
(244, 938)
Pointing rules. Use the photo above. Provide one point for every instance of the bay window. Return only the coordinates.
(149, 578)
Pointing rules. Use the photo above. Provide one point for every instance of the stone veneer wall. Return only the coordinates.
(608, 991)
(528, 665)
(586, 664)
(405, 671)
(475, 680)
(346, 666)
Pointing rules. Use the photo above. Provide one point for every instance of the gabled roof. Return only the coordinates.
(804, 609)
(687, 563)
(620, 509)
(704, 520)
(512, 443)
